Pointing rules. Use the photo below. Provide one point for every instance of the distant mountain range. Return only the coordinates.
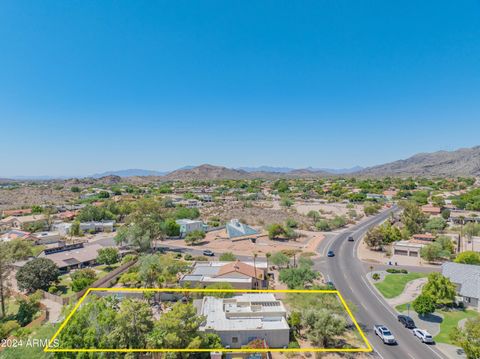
(218, 171)
(311, 169)
(130, 173)
(462, 162)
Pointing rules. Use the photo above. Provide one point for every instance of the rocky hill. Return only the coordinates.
(462, 162)
(206, 172)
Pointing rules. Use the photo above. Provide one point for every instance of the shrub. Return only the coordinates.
(397, 271)
(188, 257)
(376, 276)
(8, 327)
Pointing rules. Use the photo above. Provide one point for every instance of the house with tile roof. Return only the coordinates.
(467, 279)
(240, 275)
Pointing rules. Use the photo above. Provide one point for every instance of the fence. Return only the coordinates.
(107, 281)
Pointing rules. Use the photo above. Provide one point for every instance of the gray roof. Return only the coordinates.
(466, 276)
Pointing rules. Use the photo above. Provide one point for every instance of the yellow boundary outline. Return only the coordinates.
(368, 349)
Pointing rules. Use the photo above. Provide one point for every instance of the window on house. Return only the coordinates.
(234, 339)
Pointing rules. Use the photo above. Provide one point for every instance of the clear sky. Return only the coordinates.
(88, 86)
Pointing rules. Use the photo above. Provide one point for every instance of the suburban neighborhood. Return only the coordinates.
(239, 179)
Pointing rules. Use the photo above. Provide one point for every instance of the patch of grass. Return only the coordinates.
(450, 322)
(36, 250)
(403, 307)
(43, 332)
(394, 284)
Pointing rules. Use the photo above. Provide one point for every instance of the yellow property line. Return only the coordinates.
(368, 349)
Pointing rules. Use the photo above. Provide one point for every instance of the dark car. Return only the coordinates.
(350, 238)
(330, 285)
(208, 253)
(406, 321)
(330, 254)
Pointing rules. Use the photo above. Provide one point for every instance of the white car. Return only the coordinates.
(385, 334)
(423, 335)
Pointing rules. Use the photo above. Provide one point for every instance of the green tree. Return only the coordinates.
(108, 256)
(412, 217)
(39, 273)
(178, 328)
(424, 304)
(323, 327)
(94, 213)
(171, 228)
(279, 259)
(82, 279)
(440, 288)
(296, 278)
(19, 249)
(133, 324)
(27, 309)
(440, 249)
(275, 231)
(144, 225)
(436, 224)
(194, 237)
(446, 214)
(75, 229)
(468, 338)
(227, 257)
(75, 189)
(468, 257)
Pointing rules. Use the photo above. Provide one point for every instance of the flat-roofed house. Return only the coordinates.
(72, 256)
(466, 277)
(189, 225)
(240, 275)
(244, 318)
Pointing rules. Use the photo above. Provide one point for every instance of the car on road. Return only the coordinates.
(384, 334)
(423, 335)
(330, 254)
(350, 239)
(406, 321)
(330, 285)
(208, 253)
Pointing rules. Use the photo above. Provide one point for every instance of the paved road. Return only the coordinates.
(348, 274)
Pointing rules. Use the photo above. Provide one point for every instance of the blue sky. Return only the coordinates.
(89, 86)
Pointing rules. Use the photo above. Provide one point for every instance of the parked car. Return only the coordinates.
(330, 254)
(330, 285)
(208, 253)
(385, 334)
(350, 238)
(406, 321)
(423, 335)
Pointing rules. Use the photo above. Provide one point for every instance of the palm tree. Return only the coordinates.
(255, 269)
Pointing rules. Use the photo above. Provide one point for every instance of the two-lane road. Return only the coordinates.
(348, 274)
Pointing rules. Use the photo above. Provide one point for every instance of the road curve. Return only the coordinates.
(348, 274)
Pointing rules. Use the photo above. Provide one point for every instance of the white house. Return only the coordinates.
(243, 318)
(190, 225)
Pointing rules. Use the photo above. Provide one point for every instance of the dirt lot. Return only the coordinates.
(31, 195)
(218, 242)
(255, 213)
(327, 210)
